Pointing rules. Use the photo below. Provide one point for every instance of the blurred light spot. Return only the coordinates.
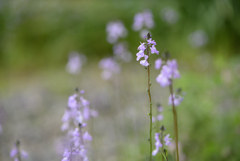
(198, 38)
(169, 15)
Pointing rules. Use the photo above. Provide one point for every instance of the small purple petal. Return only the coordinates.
(158, 63)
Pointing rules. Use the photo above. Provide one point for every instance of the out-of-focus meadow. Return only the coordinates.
(36, 38)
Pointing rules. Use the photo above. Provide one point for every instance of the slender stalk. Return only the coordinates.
(162, 144)
(175, 122)
(18, 150)
(150, 103)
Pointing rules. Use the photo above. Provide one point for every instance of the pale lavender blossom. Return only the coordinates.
(121, 52)
(144, 19)
(86, 136)
(153, 119)
(158, 144)
(144, 63)
(168, 72)
(163, 80)
(177, 100)
(15, 152)
(150, 41)
(154, 50)
(140, 55)
(115, 30)
(74, 121)
(109, 66)
(75, 62)
(142, 47)
(167, 140)
(160, 117)
(72, 102)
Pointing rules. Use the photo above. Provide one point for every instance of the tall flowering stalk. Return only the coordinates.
(74, 120)
(16, 153)
(169, 72)
(148, 47)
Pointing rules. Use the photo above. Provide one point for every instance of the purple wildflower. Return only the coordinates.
(115, 30)
(158, 144)
(15, 151)
(160, 117)
(168, 72)
(75, 62)
(121, 52)
(167, 140)
(154, 50)
(150, 41)
(140, 54)
(143, 19)
(109, 66)
(142, 47)
(158, 63)
(86, 136)
(144, 63)
(72, 102)
(177, 100)
(163, 80)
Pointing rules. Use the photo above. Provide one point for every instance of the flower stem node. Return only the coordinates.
(162, 128)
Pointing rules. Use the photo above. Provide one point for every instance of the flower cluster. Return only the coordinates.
(115, 30)
(158, 143)
(143, 46)
(16, 153)
(74, 118)
(159, 116)
(143, 19)
(75, 62)
(109, 66)
(169, 71)
(177, 99)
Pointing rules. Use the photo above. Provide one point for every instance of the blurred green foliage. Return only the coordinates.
(39, 34)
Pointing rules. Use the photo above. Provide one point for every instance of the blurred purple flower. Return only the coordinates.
(75, 62)
(121, 52)
(177, 100)
(160, 117)
(144, 19)
(72, 102)
(144, 63)
(14, 153)
(158, 63)
(167, 140)
(150, 41)
(168, 72)
(158, 144)
(86, 136)
(115, 30)
(109, 66)
(154, 50)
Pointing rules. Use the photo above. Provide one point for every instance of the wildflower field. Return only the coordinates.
(119, 80)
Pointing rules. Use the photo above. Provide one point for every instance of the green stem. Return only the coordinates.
(150, 102)
(162, 144)
(18, 150)
(175, 122)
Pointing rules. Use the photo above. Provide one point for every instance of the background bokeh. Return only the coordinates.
(37, 36)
